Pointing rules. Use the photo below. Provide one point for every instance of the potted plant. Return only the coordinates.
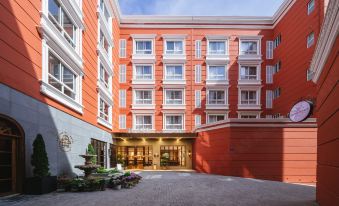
(164, 160)
(116, 181)
(41, 182)
(120, 162)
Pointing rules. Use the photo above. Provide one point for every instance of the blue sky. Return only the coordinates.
(200, 7)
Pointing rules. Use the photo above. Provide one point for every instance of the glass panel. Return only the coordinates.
(174, 47)
(68, 78)
(68, 28)
(249, 47)
(174, 97)
(172, 155)
(216, 73)
(144, 47)
(174, 122)
(143, 72)
(174, 72)
(54, 11)
(216, 97)
(248, 73)
(143, 97)
(217, 47)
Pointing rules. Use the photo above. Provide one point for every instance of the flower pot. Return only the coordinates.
(40, 185)
(117, 187)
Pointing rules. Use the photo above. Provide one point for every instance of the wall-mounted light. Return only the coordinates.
(189, 153)
(156, 155)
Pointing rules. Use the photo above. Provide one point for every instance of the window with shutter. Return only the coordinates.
(269, 50)
(122, 98)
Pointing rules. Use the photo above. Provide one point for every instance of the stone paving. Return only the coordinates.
(180, 188)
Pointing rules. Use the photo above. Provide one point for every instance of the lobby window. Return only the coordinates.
(143, 96)
(104, 77)
(211, 118)
(174, 122)
(104, 43)
(62, 21)
(216, 97)
(310, 7)
(143, 47)
(248, 97)
(61, 77)
(174, 47)
(174, 96)
(143, 122)
(276, 93)
(277, 41)
(143, 72)
(248, 73)
(104, 108)
(174, 72)
(216, 72)
(217, 47)
(310, 39)
(100, 151)
(249, 47)
(175, 153)
(122, 48)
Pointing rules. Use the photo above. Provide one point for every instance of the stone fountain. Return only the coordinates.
(89, 167)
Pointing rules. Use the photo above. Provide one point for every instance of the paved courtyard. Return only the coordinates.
(180, 188)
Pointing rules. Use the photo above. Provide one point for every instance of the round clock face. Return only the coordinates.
(300, 111)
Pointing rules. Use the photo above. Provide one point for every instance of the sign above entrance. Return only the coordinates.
(301, 111)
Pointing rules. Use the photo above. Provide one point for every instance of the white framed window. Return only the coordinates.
(105, 77)
(122, 98)
(104, 44)
(249, 115)
(197, 49)
(197, 120)
(269, 74)
(143, 122)
(174, 122)
(211, 118)
(122, 121)
(198, 73)
(310, 39)
(104, 10)
(248, 73)
(174, 96)
(143, 72)
(248, 97)
(143, 96)
(104, 112)
(269, 99)
(276, 93)
(197, 98)
(277, 41)
(216, 72)
(143, 46)
(217, 47)
(174, 72)
(174, 47)
(269, 49)
(216, 97)
(310, 7)
(249, 47)
(122, 48)
(122, 73)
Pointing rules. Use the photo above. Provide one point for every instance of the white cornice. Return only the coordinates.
(329, 34)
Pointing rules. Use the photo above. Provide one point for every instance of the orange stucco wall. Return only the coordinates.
(328, 130)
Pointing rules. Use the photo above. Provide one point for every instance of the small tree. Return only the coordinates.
(39, 159)
(91, 151)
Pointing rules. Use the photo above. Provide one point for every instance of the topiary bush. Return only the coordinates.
(39, 158)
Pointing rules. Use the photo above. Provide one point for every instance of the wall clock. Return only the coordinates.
(301, 111)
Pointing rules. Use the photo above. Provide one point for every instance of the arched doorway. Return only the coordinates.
(11, 156)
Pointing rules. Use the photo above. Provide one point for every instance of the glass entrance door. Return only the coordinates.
(135, 157)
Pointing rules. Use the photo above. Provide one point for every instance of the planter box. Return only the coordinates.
(38, 186)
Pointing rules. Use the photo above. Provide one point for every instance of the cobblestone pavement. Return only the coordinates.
(179, 188)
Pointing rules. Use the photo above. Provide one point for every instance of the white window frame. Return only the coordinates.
(122, 98)
(257, 80)
(208, 115)
(122, 73)
(269, 50)
(256, 89)
(310, 6)
(174, 106)
(122, 121)
(198, 49)
(136, 105)
(224, 81)
(174, 81)
(122, 48)
(174, 114)
(209, 75)
(174, 40)
(249, 113)
(197, 98)
(269, 74)
(101, 120)
(277, 41)
(143, 115)
(217, 106)
(135, 40)
(217, 40)
(269, 99)
(257, 41)
(101, 84)
(198, 74)
(310, 39)
(143, 80)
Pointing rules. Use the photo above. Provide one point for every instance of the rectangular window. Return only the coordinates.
(122, 98)
(104, 11)
(197, 99)
(62, 22)
(174, 122)
(61, 77)
(174, 97)
(176, 155)
(198, 73)
(248, 97)
(310, 7)
(310, 39)
(216, 47)
(197, 49)
(104, 110)
(174, 72)
(269, 74)
(249, 47)
(174, 47)
(277, 41)
(104, 77)
(277, 67)
(143, 47)
(122, 73)
(197, 119)
(309, 75)
(269, 99)
(122, 121)
(216, 97)
(143, 122)
(248, 116)
(269, 49)
(143, 72)
(248, 73)
(100, 151)
(143, 97)
(276, 93)
(104, 43)
(122, 46)
(216, 73)
(211, 118)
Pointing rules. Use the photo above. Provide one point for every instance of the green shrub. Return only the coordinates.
(39, 158)
(91, 151)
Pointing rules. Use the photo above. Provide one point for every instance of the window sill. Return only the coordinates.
(174, 58)
(104, 123)
(217, 59)
(249, 106)
(216, 106)
(249, 82)
(55, 94)
(174, 82)
(216, 82)
(143, 106)
(143, 58)
(142, 81)
(250, 57)
(174, 106)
